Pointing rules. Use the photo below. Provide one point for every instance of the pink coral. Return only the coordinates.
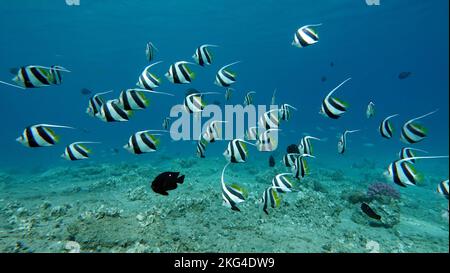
(380, 189)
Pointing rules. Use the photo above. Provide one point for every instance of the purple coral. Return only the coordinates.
(380, 189)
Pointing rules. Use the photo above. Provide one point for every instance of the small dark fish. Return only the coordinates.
(404, 75)
(14, 70)
(115, 150)
(293, 149)
(271, 161)
(332, 64)
(369, 211)
(216, 102)
(86, 91)
(166, 181)
(323, 79)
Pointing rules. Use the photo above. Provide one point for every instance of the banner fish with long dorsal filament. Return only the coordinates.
(225, 77)
(300, 168)
(134, 99)
(77, 151)
(232, 195)
(403, 173)
(386, 128)
(95, 104)
(306, 36)
(342, 143)
(442, 188)
(35, 76)
(248, 99)
(333, 107)
(194, 103)
(213, 131)
(282, 182)
(413, 132)
(40, 135)
(112, 111)
(370, 111)
(150, 51)
(143, 142)
(237, 151)
(148, 80)
(270, 198)
(203, 56)
(305, 146)
(267, 142)
(180, 73)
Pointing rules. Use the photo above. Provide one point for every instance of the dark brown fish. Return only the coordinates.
(271, 161)
(293, 149)
(404, 75)
(369, 211)
(166, 181)
(323, 79)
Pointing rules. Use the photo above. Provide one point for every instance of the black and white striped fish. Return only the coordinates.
(237, 151)
(201, 147)
(403, 173)
(414, 132)
(332, 107)
(386, 128)
(248, 99)
(95, 104)
(342, 143)
(203, 56)
(112, 111)
(180, 73)
(306, 36)
(77, 151)
(232, 195)
(300, 168)
(282, 183)
(289, 159)
(150, 51)
(148, 80)
(40, 135)
(166, 123)
(252, 133)
(134, 99)
(305, 146)
(34, 76)
(285, 113)
(267, 142)
(442, 188)
(407, 152)
(213, 131)
(370, 111)
(194, 103)
(143, 142)
(226, 77)
(270, 119)
(228, 93)
(270, 198)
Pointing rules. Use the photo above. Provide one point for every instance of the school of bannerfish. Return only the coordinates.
(401, 171)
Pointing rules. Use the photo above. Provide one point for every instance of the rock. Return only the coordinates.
(72, 247)
(58, 211)
(138, 193)
(45, 205)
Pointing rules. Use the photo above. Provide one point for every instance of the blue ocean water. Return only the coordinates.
(103, 44)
